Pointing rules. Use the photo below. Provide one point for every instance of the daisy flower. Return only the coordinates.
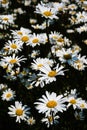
(67, 56)
(4, 3)
(31, 121)
(19, 111)
(32, 21)
(49, 75)
(34, 53)
(57, 38)
(6, 19)
(3, 86)
(20, 32)
(24, 38)
(72, 101)
(39, 62)
(13, 46)
(76, 48)
(80, 63)
(12, 60)
(8, 95)
(4, 65)
(49, 120)
(72, 6)
(46, 10)
(54, 49)
(35, 39)
(65, 1)
(81, 17)
(79, 115)
(82, 29)
(59, 6)
(85, 41)
(50, 103)
(82, 105)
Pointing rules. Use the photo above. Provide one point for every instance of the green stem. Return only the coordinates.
(47, 31)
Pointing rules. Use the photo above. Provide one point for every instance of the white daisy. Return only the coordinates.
(49, 120)
(32, 21)
(82, 29)
(24, 38)
(8, 95)
(34, 53)
(59, 6)
(72, 6)
(19, 111)
(4, 3)
(48, 75)
(3, 86)
(80, 63)
(81, 17)
(7, 19)
(67, 56)
(12, 60)
(46, 10)
(82, 105)
(35, 40)
(39, 62)
(31, 121)
(74, 102)
(13, 46)
(51, 103)
(21, 32)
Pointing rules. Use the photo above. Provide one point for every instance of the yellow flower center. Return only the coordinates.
(25, 38)
(54, 37)
(67, 56)
(60, 40)
(31, 121)
(51, 104)
(35, 40)
(19, 33)
(77, 61)
(14, 46)
(50, 119)
(79, 64)
(40, 65)
(8, 95)
(19, 112)
(13, 61)
(82, 0)
(60, 9)
(73, 101)
(82, 106)
(5, 19)
(52, 73)
(73, 19)
(4, 2)
(47, 13)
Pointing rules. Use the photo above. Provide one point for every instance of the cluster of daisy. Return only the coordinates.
(18, 110)
(38, 56)
(52, 104)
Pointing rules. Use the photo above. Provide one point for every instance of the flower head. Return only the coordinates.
(8, 95)
(50, 103)
(19, 111)
(46, 10)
